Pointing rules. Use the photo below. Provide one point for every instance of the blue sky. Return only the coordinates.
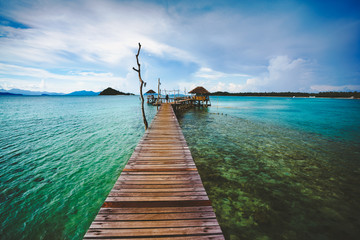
(235, 46)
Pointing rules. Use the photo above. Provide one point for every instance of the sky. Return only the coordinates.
(235, 46)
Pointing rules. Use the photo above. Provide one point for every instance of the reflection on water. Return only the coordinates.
(270, 181)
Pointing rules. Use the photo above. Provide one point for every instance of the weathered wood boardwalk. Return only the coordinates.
(159, 194)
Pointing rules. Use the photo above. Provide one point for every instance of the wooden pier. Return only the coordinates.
(159, 194)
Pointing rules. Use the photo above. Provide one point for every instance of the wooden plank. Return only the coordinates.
(172, 182)
(165, 151)
(161, 178)
(160, 173)
(157, 170)
(202, 237)
(165, 154)
(155, 194)
(141, 204)
(163, 146)
(156, 186)
(169, 147)
(175, 157)
(155, 224)
(155, 210)
(155, 198)
(162, 166)
(154, 216)
(156, 190)
(149, 232)
(159, 161)
(164, 136)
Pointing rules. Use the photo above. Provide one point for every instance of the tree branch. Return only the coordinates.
(138, 63)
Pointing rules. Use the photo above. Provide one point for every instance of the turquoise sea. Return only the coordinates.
(274, 168)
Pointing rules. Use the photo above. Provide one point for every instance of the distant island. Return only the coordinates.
(20, 92)
(291, 94)
(83, 93)
(111, 91)
(9, 94)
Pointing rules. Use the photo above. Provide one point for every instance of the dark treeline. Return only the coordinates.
(291, 94)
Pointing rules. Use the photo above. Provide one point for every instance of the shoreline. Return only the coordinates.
(284, 97)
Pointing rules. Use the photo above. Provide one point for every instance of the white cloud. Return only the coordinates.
(219, 87)
(39, 79)
(94, 74)
(41, 73)
(42, 85)
(105, 32)
(283, 74)
(208, 73)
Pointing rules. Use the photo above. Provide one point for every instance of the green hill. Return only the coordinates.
(111, 91)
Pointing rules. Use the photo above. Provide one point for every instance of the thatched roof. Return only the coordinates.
(150, 91)
(199, 90)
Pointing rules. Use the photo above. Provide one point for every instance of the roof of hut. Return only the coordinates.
(199, 90)
(150, 91)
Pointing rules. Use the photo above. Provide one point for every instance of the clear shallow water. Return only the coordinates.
(274, 168)
(333, 118)
(59, 158)
(278, 168)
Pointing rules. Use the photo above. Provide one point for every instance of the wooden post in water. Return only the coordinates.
(157, 105)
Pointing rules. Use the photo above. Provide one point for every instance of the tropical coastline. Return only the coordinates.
(111, 91)
(333, 94)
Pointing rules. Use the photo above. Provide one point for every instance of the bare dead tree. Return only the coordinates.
(141, 86)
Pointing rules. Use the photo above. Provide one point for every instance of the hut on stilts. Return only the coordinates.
(151, 96)
(200, 97)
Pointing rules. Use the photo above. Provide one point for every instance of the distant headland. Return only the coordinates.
(111, 91)
(20, 92)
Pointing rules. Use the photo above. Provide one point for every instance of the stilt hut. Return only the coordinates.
(201, 96)
(151, 96)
